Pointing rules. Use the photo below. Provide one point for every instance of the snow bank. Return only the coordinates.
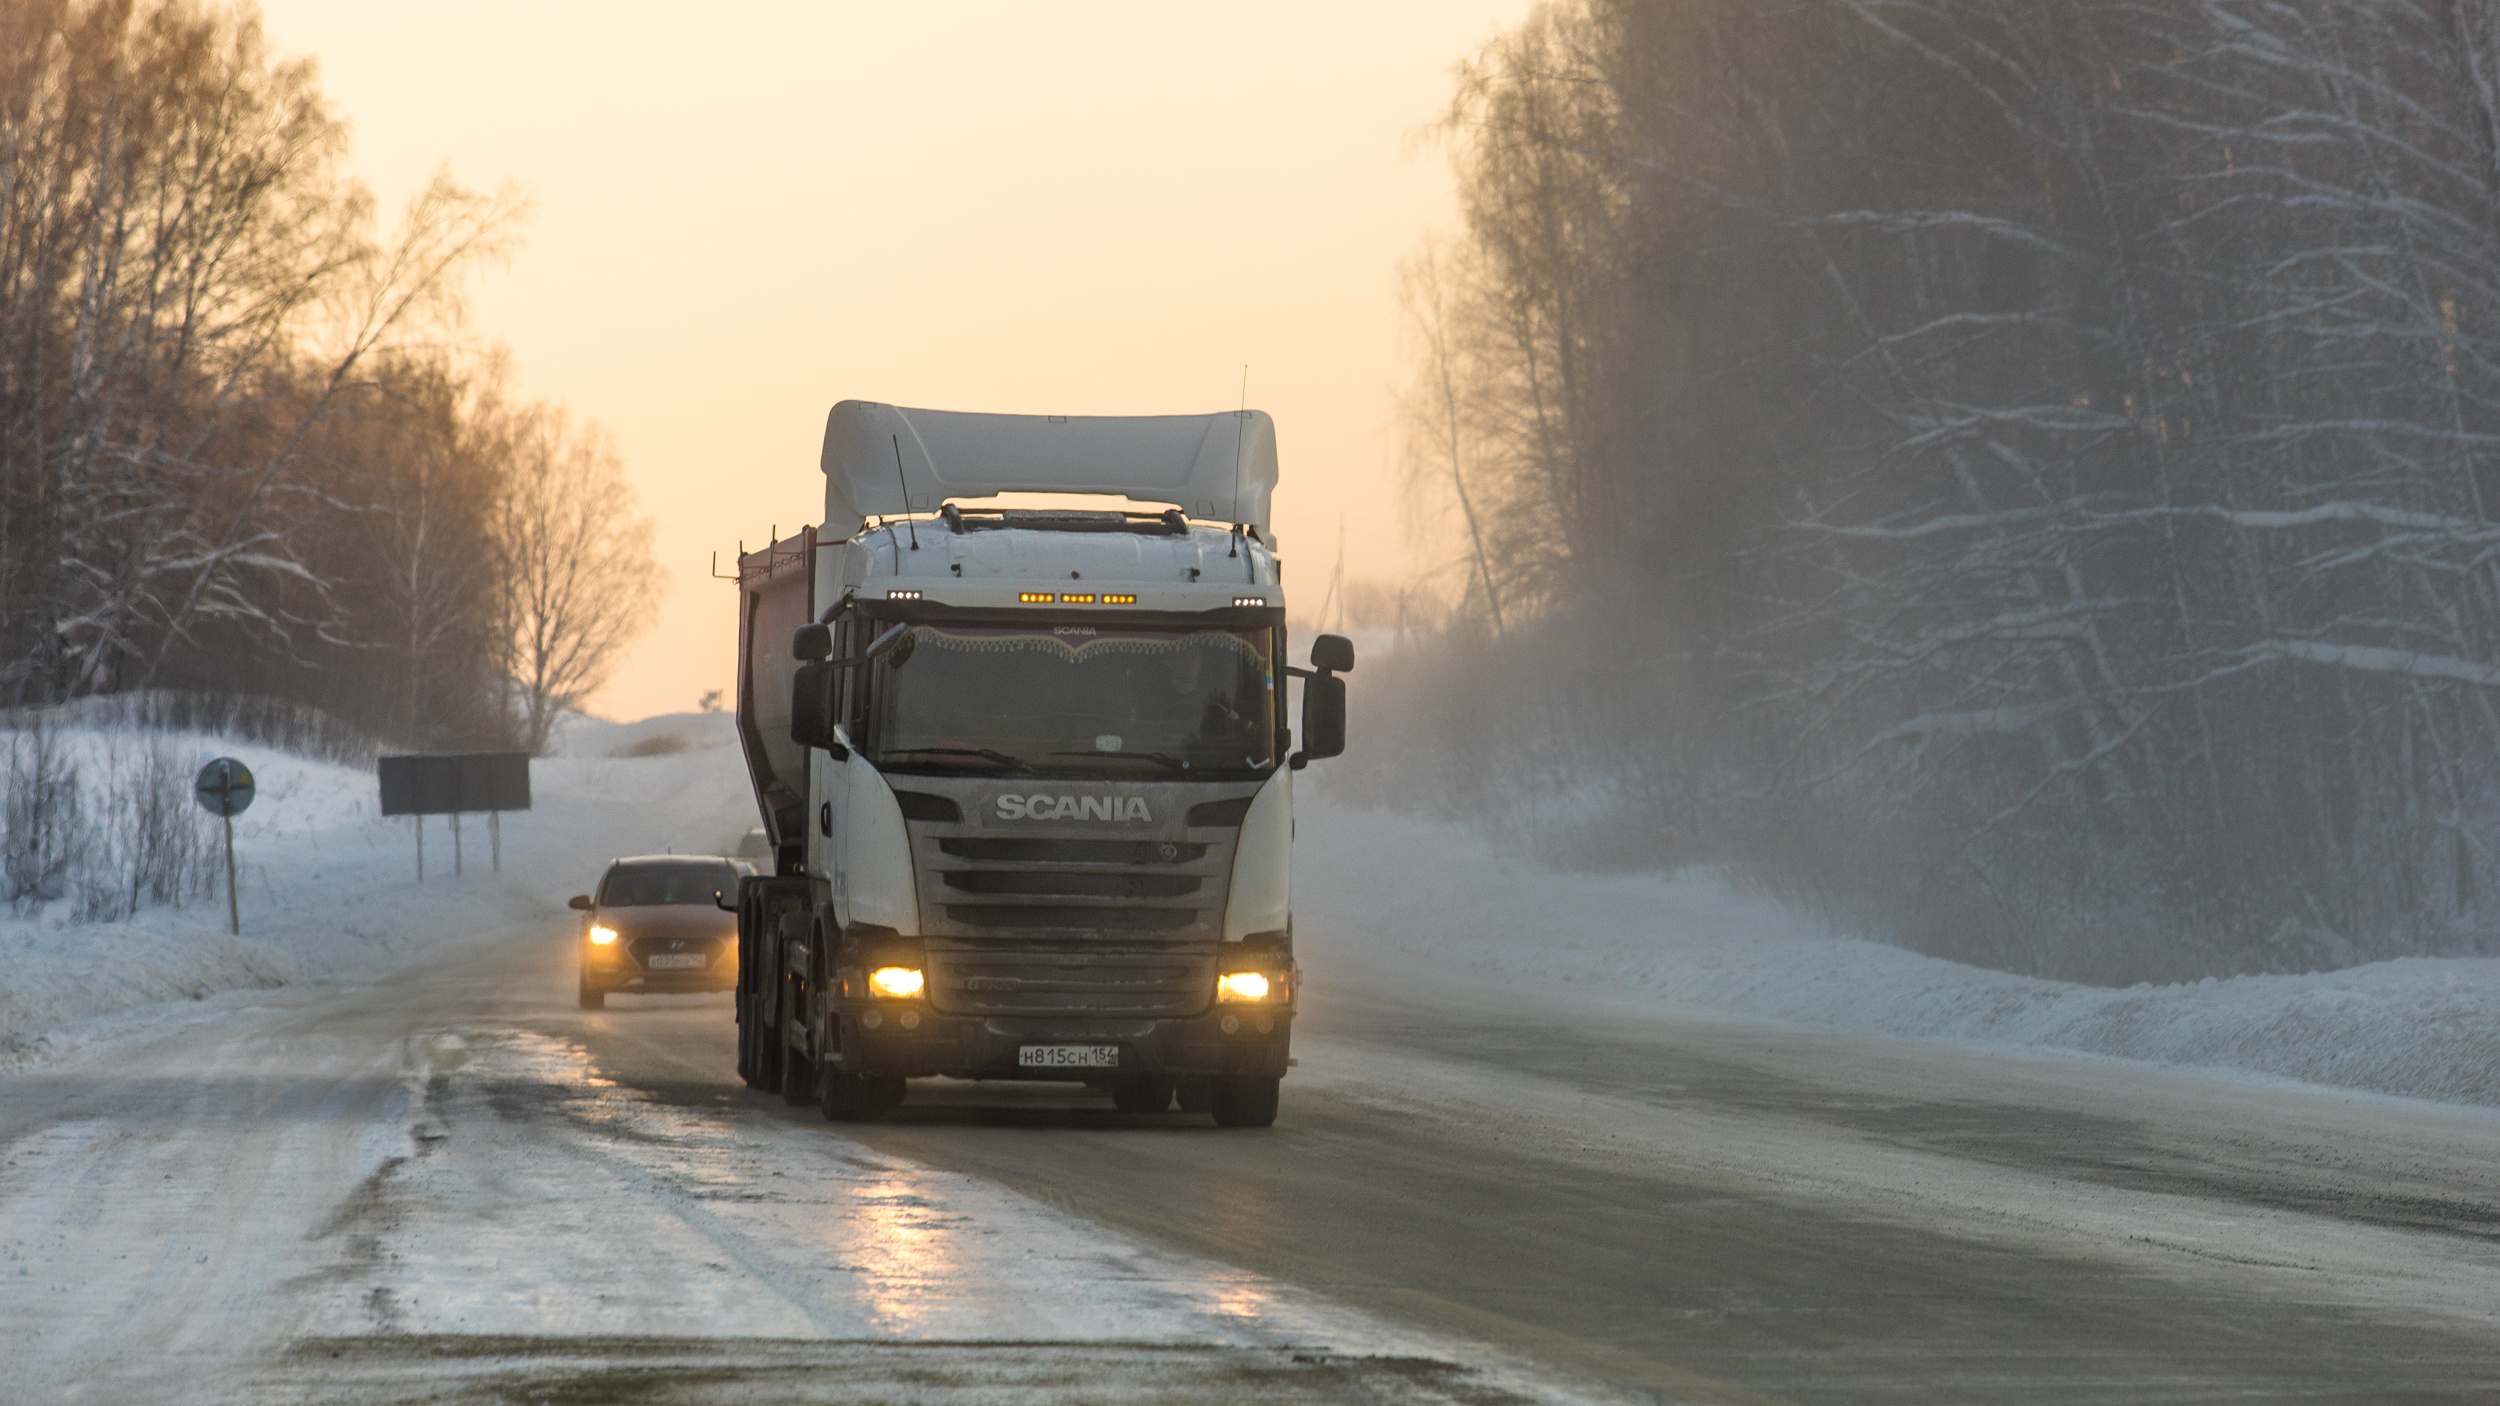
(1371, 882)
(329, 886)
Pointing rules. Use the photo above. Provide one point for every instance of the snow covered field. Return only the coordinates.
(1376, 883)
(329, 886)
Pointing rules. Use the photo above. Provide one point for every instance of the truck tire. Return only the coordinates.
(764, 1029)
(1196, 1093)
(799, 1077)
(593, 1000)
(746, 1039)
(1245, 1101)
(1142, 1093)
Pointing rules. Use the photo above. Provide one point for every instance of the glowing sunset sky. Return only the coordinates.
(747, 213)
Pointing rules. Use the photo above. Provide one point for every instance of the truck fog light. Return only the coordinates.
(1267, 1025)
(895, 983)
(1241, 986)
(872, 1020)
(911, 1020)
(1231, 1024)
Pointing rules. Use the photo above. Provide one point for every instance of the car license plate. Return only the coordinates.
(674, 961)
(1069, 1056)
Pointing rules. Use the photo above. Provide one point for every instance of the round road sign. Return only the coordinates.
(225, 787)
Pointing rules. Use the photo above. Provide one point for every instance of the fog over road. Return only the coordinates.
(457, 1186)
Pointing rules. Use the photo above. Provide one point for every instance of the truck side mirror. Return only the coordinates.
(1323, 719)
(811, 707)
(812, 642)
(1333, 653)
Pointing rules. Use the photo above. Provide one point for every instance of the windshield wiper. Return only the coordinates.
(986, 754)
(1165, 758)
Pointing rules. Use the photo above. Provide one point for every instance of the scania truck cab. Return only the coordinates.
(1027, 773)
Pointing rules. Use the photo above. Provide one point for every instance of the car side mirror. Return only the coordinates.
(812, 642)
(580, 901)
(1323, 719)
(1333, 654)
(811, 708)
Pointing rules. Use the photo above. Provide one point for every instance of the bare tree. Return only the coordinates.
(580, 579)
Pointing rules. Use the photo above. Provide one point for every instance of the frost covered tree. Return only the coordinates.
(2021, 469)
(236, 442)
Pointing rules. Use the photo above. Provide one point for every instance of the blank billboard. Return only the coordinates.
(448, 783)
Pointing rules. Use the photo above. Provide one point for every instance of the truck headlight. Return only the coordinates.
(1246, 987)
(601, 937)
(896, 983)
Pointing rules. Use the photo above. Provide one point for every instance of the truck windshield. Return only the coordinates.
(1074, 699)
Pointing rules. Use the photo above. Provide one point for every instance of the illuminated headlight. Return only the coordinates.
(601, 937)
(1246, 986)
(895, 983)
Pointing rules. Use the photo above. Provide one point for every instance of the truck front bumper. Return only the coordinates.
(879, 1041)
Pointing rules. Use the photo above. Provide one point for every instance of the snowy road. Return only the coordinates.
(458, 1187)
(455, 1186)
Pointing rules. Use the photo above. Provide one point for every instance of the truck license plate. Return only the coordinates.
(674, 961)
(1069, 1056)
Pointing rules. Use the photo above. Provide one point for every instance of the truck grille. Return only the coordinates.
(1029, 884)
(1098, 983)
(1025, 885)
(1073, 851)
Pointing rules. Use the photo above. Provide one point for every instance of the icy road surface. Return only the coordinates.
(456, 1187)
(453, 1187)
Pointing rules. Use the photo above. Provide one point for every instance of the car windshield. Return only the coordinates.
(653, 885)
(1074, 699)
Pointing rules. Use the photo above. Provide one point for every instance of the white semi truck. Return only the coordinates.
(1026, 773)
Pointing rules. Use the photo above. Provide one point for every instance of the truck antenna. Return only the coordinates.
(905, 485)
(1241, 431)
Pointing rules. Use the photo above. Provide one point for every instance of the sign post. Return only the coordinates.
(225, 789)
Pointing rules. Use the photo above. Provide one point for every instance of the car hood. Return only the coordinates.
(669, 920)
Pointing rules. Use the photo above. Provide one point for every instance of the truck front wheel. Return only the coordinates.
(1245, 1101)
(799, 1075)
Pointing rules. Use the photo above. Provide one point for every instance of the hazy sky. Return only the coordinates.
(746, 213)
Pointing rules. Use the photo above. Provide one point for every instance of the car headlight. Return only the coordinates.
(895, 983)
(602, 936)
(1247, 987)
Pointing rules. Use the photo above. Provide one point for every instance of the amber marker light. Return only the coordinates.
(1119, 600)
(902, 595)
(895, 983)
(601, 937)
(1036, 597)
(1085, 599)
(1241, 986)
(1249, 600)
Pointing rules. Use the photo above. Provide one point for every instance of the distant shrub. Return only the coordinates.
(659, 745)
(110, 838)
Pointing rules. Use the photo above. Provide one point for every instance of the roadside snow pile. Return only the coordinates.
(2418, 1027)
(328, 885)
